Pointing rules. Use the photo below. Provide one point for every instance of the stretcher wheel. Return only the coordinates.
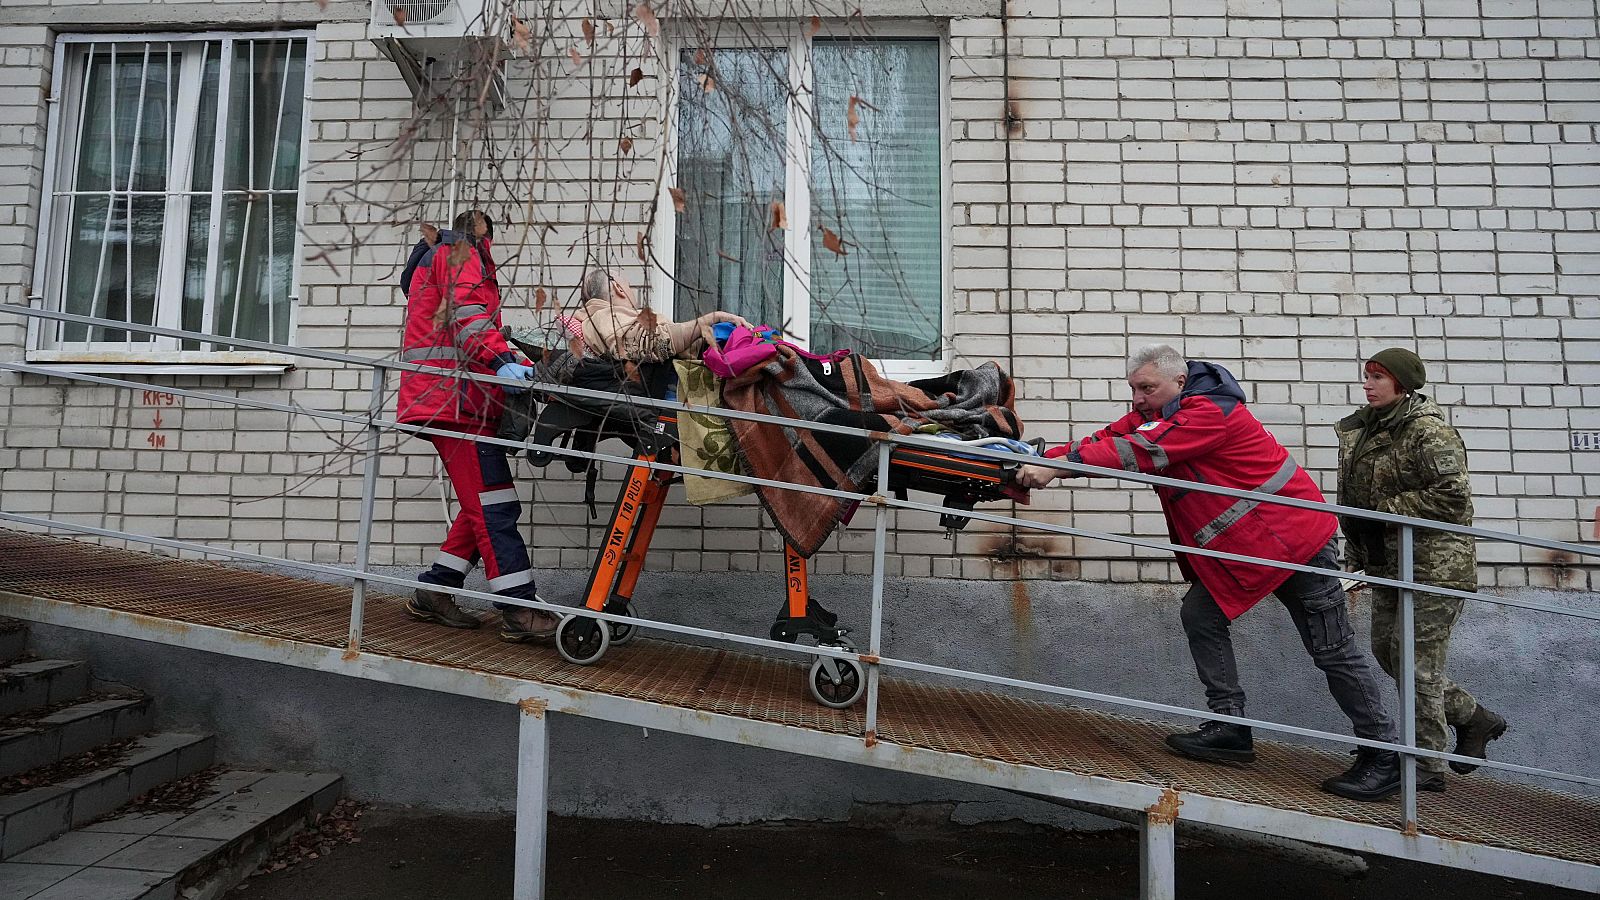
(582, 640)
(622, 632)
(837, 683)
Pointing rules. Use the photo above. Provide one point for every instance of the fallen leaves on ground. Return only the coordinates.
(101, 757)
(28, 717)
(175, 796)
(337, 826)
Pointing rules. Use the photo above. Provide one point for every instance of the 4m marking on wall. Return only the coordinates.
(157, 400)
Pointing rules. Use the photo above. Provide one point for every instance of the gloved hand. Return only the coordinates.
(514, 370)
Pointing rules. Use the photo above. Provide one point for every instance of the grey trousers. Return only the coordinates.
(1316, 603)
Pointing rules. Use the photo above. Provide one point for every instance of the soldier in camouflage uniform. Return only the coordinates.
(1398, 455)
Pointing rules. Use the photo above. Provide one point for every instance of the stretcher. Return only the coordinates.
(960, 482)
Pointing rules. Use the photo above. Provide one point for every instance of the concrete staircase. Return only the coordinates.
(95, 805)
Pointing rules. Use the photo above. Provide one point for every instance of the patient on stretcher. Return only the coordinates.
(631, 352)
(614, 325)
(760, 372)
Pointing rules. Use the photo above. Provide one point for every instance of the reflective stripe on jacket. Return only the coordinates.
(466, 338)
(1208, 436)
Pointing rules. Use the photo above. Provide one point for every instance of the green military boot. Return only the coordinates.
(1473, 737)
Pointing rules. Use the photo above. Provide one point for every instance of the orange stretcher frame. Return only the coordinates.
(620, 562)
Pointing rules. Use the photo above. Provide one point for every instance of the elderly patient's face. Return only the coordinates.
(1153, 390)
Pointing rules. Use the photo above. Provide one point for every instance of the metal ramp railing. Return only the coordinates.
(993, 741)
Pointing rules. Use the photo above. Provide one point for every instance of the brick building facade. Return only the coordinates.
(1280, 186)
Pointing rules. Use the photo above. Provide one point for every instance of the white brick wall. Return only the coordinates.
(1281, 186)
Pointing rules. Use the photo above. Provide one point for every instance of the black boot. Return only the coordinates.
(1375, 775)
(1215, 742)
(1472, 738)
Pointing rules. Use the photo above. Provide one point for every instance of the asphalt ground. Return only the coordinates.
(403, 855)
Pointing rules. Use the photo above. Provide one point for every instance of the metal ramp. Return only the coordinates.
(1047, 748)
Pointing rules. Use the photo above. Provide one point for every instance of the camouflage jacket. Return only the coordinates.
(1414, 465)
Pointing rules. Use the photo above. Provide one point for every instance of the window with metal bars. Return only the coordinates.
(174, 194)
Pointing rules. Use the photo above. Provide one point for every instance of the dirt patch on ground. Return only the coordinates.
(406, 856)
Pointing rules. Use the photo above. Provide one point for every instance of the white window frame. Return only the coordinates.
(48, 282)
(798, 238)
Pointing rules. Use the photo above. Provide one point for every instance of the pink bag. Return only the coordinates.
(742, 351)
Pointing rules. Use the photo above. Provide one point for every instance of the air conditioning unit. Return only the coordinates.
(441, 45)
(433, 20)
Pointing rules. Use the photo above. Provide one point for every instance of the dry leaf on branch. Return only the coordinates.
(832, 242)
(852, 118)
(677, 199)
(588, 31)
(636, 76)
(639, 245)
(780, 216)
(814, 26)
(575, 56)
(521, 34)
(625, 145)
(539, 298)
(647, 18)
(700, 57)
(399, 15)
(707, 83)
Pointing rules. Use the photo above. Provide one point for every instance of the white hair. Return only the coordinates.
(596, 284)
(1168, 361)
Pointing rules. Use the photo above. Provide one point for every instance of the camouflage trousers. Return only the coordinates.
(1440, 701)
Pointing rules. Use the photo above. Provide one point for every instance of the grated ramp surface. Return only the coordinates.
(742, 684)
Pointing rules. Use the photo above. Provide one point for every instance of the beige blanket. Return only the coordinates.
(706, 441)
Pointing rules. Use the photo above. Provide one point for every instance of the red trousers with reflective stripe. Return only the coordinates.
(485, 528)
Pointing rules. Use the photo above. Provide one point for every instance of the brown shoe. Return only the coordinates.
(523, 624)
(437, 606)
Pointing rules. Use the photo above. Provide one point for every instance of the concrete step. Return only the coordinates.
(40, 682)
(13, 639)
(28, 743)
(197, 852)
(31, 817)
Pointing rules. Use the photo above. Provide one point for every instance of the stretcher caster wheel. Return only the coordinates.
(621, 632)
(837, 683)
(582, 640)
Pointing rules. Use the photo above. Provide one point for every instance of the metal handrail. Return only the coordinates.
(887, 501)
(62, 370)
(874, 661)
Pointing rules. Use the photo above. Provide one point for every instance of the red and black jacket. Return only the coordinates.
(1207, 436)
(465, 337)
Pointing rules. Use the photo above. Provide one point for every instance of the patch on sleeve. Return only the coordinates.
(1446, 464)
(1151, 425)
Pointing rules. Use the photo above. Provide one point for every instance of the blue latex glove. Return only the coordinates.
(517, 371)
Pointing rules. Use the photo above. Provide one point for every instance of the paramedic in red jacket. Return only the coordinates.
(1189, 421)
(453, 326)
